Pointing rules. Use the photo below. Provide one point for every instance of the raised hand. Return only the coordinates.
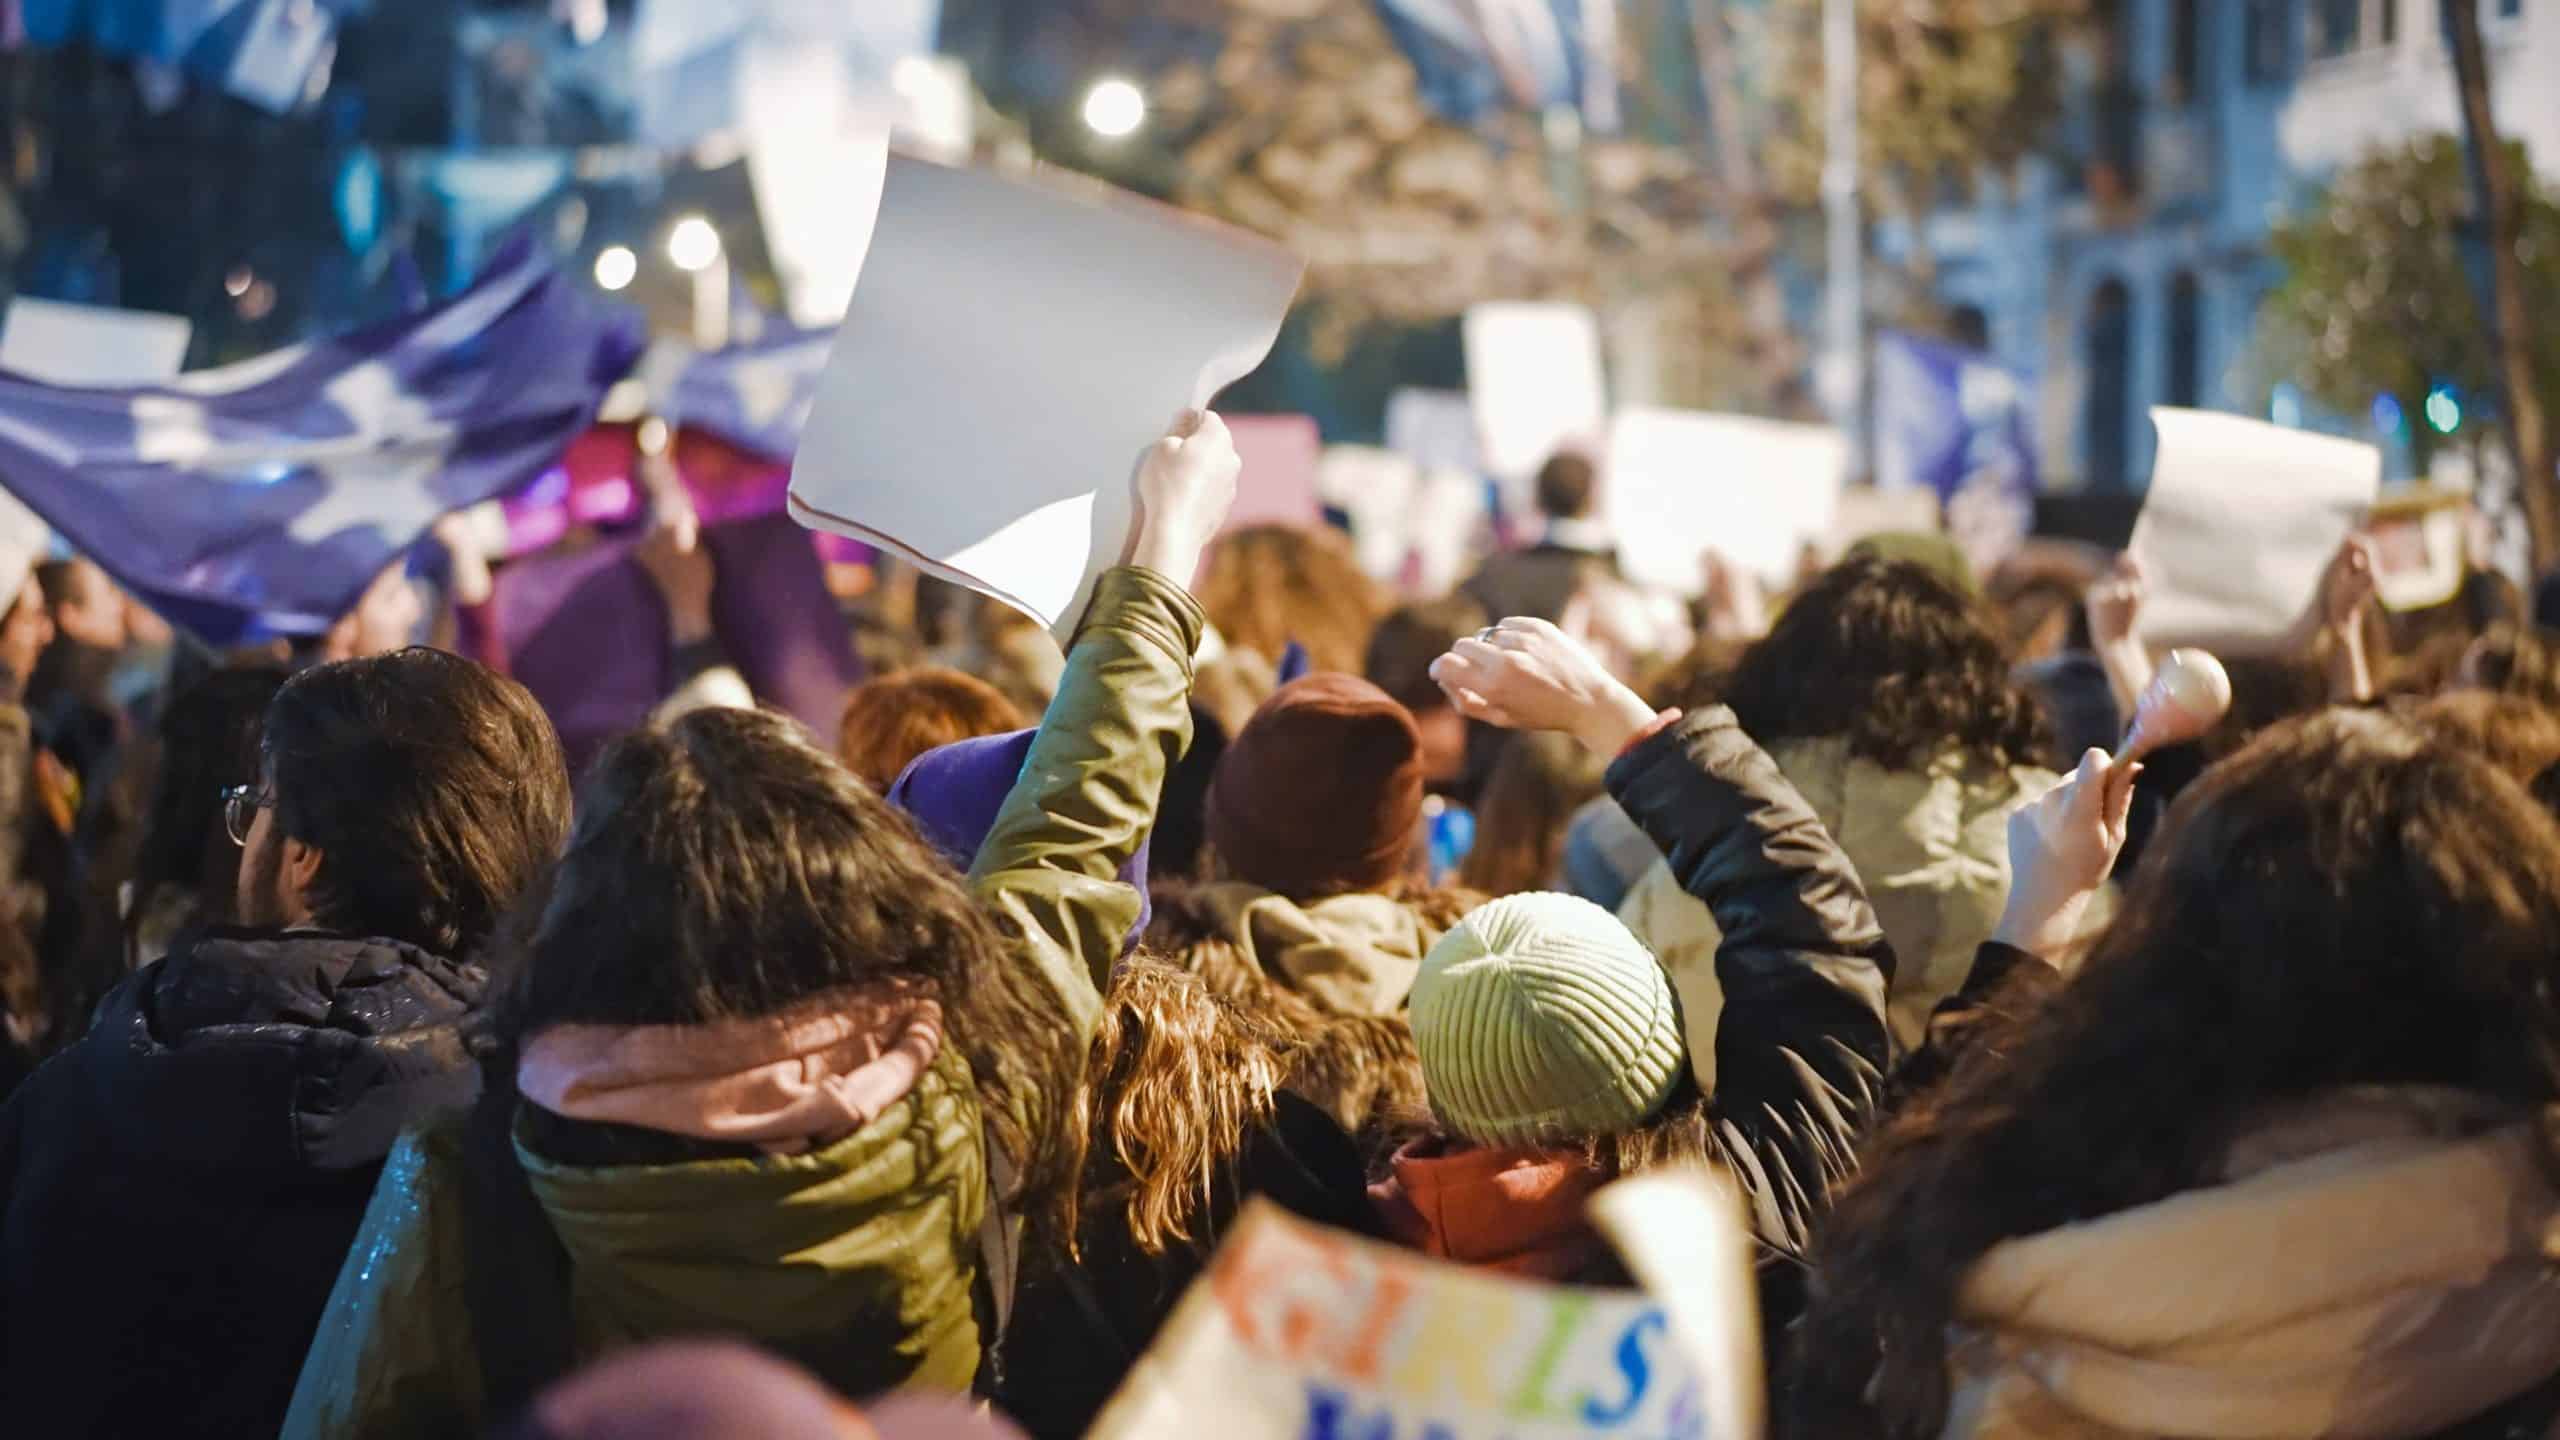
(1526, 674)
(1185, 484)
(2062, 847)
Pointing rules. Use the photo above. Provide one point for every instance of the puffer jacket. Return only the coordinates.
(2370, 1262)
(178, 1188)
(861, 1260)
(1803, 964)
(1931, 845)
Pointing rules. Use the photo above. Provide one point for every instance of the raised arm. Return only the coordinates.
(1802, 1046)
(1088, 791)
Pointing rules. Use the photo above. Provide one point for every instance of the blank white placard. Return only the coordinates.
(1009, 350)
(1682, 482)
(65, 344)
(1534, 376)
(2241, 519)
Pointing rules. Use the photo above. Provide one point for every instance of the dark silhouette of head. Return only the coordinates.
(413, 796)
(1891, 657)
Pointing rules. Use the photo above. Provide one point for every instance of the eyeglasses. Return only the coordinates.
(240, 807)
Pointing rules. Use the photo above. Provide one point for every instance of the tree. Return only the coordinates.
(2499, 181)
(2377, 298)
(1951, 94)
(1303, 120)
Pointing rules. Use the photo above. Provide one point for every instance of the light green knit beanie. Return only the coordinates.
(1541, 1018)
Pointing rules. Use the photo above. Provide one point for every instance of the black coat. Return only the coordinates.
(1074, 1333)
(179, 1187)
(1801, 1048)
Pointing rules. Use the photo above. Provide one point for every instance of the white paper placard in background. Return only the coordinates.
(2240, 521)
(1009, 350)
(1534, 376)
(1682, 482)
(64, 344)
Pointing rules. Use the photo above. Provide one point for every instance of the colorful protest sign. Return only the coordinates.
(1301, 1333)
(2240, 522)
(1009, 350)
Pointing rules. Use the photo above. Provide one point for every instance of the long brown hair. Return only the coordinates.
(1174, 1079)
(726, 867)
(1267, 585)
(2344, 902)
(1538, 782)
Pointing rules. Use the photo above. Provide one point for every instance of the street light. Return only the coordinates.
(616, 266)
(693, 244)
(1114, 108)
(695, 248)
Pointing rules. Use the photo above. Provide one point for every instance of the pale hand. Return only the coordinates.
(1528, 675)
(1184, 487)
(2062, 847)
(2347, 584)
(2115, 604)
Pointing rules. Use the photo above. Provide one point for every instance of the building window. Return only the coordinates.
(2186, 341)
(2343, 27)
(2186, 49)
(2267, 41)
(2107, 415)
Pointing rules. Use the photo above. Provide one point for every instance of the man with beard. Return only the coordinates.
(179, 1188)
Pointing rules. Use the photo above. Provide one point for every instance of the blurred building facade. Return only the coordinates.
(2126, 269)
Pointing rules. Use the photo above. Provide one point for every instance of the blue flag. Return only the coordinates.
(754, 395)
(267, 494)
(1960, 423)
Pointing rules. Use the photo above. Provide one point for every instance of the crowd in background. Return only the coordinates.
(368, 1073)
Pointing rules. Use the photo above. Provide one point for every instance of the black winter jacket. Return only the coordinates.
(178, 1188)
(1802, 1046)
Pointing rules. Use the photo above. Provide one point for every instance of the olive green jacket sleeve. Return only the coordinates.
(395, 1355)
(1087, 796)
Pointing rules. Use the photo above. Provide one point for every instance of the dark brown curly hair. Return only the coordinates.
(1893, 659)
(2345, 902)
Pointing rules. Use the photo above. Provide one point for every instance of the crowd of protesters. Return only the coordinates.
(370, 1074)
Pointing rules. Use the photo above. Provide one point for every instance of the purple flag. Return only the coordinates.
(267, 494)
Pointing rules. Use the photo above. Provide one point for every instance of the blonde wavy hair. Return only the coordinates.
(1180, 1073)
(1266, 585)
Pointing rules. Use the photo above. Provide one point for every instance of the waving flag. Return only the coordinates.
(755, 395)
(271, 492)
(1473, 55)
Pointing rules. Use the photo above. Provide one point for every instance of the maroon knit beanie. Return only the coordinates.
(1321, 792)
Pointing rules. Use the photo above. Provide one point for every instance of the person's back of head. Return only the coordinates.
(411, 796)
(1893, 659)
(2514, 660)
(1321, 793)
(724, 868)
(890, 721)
(1401, 650)
(1537, 785)
(1542, 1020)
(2346, 903)
(1266, 586)
(1568, 486)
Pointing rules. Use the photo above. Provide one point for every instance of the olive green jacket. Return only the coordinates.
(858, 1260)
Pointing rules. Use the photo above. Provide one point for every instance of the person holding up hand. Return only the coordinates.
(1551, 1042)
(761, 1065)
